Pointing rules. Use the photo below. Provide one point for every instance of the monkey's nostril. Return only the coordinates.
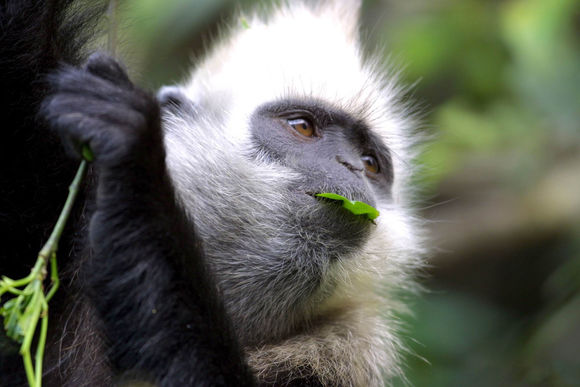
(348, 165)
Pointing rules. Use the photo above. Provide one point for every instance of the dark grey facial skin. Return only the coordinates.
(331, 160)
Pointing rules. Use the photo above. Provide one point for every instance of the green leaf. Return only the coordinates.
(87, 153)
(354, 206)
(12, 314)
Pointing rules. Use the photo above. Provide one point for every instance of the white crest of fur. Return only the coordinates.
(349, 337)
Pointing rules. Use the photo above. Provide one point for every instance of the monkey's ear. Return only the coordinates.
(170, 95)
(174, 98)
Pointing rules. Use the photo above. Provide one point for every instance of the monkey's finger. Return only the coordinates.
(87, 86)
(106, 67)
(120, 115)
(74, 80)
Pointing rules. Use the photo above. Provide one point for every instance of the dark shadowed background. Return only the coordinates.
(499, 184)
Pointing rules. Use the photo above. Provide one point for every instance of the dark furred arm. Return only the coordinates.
(146, 277)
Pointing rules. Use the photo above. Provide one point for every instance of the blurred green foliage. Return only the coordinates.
(502, 75)
(500, 80)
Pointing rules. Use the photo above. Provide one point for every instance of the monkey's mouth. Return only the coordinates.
(325, 225)
(355, 207)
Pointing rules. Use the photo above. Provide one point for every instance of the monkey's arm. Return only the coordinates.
(146, 277)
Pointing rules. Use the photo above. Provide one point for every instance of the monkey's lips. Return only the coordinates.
(358, 208)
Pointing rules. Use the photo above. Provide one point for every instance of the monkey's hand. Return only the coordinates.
(146, 279)
(97, 105)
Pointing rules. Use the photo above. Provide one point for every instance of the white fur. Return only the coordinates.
(342, 330)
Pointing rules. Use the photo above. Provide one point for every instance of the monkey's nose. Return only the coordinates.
(349, 165)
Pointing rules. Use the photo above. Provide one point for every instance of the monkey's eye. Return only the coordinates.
(371, 164)
(302, 126)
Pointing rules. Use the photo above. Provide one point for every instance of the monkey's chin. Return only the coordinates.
(325, 228)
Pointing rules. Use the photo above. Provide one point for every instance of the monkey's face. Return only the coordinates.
(329, 151)
(271, 244)
(279, 253)
(254, 136)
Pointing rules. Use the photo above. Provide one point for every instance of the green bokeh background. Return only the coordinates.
(500, 181)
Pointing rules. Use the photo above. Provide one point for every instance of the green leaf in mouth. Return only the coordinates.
(354, 206)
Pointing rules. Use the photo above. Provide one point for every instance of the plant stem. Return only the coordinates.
(54, 280)
(41, 343)
(37, 307)
(51, 245)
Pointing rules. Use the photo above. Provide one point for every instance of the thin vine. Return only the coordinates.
(25, 314)
(29, 306)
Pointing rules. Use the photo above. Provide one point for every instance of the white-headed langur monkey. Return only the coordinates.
(200, 253)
